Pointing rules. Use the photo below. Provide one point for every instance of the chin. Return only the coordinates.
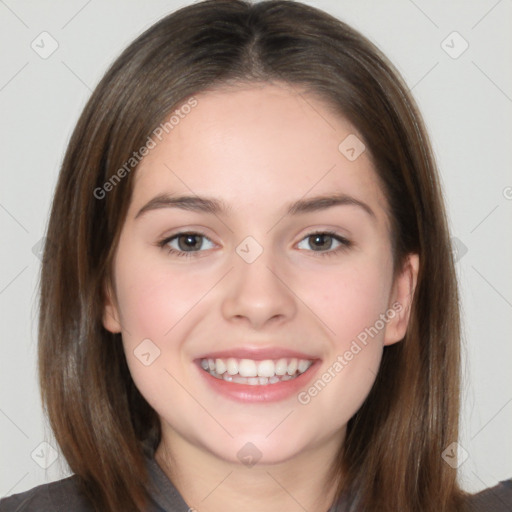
(257, 449)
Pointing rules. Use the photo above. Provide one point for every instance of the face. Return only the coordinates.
(191, 283)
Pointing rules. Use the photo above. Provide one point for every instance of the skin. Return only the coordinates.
(257, 148)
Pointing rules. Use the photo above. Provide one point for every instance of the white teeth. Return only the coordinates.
(255, 372)
(252, 381)
(232, 366)
(292, 367)
(281, 367)
(303, 365)
(247, 368)
(220, 366)
(266, 369)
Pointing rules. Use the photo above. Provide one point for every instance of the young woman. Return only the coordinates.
(248, 297)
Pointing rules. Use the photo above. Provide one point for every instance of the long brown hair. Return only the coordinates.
(391, 459)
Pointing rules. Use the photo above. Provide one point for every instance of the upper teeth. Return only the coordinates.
(251, 368)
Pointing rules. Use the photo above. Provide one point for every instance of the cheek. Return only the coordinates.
(153, 299)
(154, 303)
(349, 300)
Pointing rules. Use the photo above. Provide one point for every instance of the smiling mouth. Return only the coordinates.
(256, 373)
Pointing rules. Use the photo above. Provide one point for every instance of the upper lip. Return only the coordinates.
(258, 354)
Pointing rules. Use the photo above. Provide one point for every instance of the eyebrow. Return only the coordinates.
(215, 206)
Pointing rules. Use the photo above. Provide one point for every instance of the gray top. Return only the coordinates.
(64, 495)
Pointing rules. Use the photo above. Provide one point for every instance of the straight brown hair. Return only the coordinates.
(391, 459)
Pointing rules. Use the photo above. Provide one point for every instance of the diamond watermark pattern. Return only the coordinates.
(249, 249)
(351, 147)
(459, 248)
(44, 45)
(454, 455)
(38, 248)
(146, 352)
(249, 455)
(454, 45)
(44, 455)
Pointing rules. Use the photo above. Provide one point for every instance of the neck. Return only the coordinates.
(210, 484)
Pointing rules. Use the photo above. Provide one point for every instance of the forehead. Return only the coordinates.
(263, 145)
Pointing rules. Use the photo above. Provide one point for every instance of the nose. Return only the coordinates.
(257, 293)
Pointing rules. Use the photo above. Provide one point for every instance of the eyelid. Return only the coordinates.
(163, 242)
(344, 242)
(187, 231)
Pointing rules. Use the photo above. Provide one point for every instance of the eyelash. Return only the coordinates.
(345, 244)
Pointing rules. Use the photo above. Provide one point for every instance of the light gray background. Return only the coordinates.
(467, 105)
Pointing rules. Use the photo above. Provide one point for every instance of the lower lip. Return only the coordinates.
(265, 393)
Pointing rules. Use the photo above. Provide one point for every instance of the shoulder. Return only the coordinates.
(62, 495)
(493, 499)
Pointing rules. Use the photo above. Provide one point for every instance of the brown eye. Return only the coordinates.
(185, 243)
(323, 241)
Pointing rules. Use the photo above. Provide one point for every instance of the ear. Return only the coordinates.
(110, 310)
(401, 300)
